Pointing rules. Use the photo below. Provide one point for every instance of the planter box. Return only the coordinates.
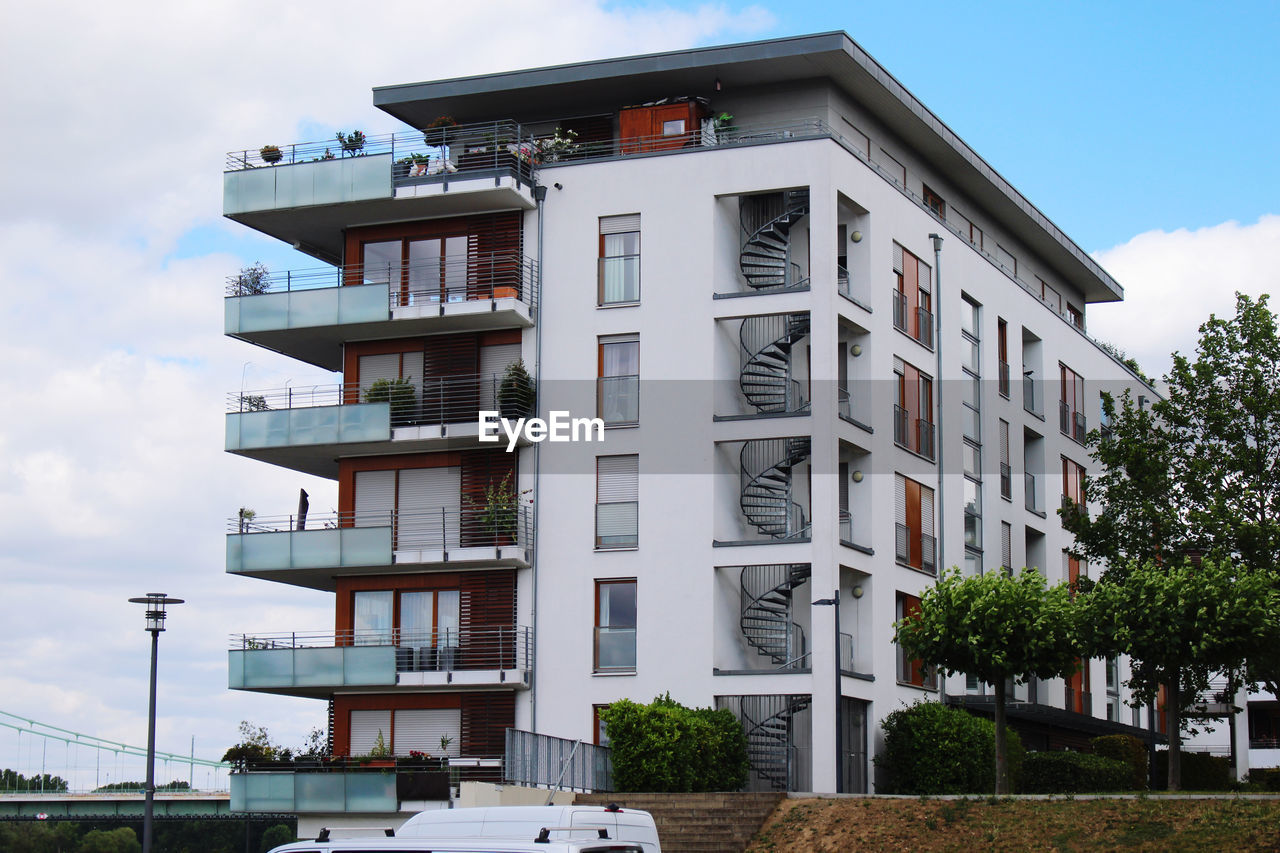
(422, 785)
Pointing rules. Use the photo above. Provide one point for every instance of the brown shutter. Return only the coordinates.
(485, 720)
(481, 470)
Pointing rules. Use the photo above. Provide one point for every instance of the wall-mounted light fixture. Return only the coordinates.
(855, 350)
(857, 476)
(856, 592)
(856, 236)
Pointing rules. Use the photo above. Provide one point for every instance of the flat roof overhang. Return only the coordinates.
(606, 85)
(1058, 718)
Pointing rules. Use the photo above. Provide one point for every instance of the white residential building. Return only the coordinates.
(833, 350)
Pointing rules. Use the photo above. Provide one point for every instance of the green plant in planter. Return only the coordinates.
(246, 518)
(498, 512)
(398, 392)
(380, 748)
(251, 280)
(515, 393)
(351, 144)
(270, 154)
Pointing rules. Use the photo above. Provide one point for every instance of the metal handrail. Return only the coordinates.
(436, 528)
(478, 275)
(698, 139)
(1029, 486)
(485, 647)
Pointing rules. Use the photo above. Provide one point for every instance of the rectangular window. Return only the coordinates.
(912, 296)
(1002, 348)
(1075, 315)
(615, 632)
(972, 514)
(934, 202)
(601, 731)
(913, 413)
(1071, 418)
(619, 273)
(618, 391)
(617, 501)
(1072, 485)
(914, 540)
(1006, 472)
(1006, 547)
(912, 671)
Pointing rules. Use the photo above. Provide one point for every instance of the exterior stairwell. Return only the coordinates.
(765, 258)
(765, 477)
(766, 375)
(769, 740)
(767, 609)
(698, 823)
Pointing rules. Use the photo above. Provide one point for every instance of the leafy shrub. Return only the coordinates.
(1266, 778)
(122, 840)
(515, 394)
(931, 748)
(275, 836)
(666, 747)
(1200, 771)
(1073, 773)
(398, 392)
(1128, 749)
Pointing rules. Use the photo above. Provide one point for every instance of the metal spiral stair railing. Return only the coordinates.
(767, 344)
(765, 256)
(766, 611)
(765, 498)
(769, 739)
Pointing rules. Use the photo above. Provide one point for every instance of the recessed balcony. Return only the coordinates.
(311, 552)
(308, 314)
(306, 429)
(317, 664)
(308, 193)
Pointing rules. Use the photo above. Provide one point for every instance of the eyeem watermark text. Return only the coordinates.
(559, 427)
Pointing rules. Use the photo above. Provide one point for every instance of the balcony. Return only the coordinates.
(278, 549)
(307, 194)
(913, 434)
(915, 549)
(1072, 423)
(308, 314)
(315, 664)
(852, 290)
(1031, 500)
(922, 331)
(1029, 402)
(1003, 379)
(307, 428)
(342, 785)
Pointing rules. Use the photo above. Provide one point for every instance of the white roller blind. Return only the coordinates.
(1004, 442)
(1006, 544)
(620, 224)
(926, 511)
(897, 258)
(422, 728)
(423, 493)
(617, 479)
(365, 726)
(375, 498)
(375, 367)
(494, 361)
(923, 273)
(900, 498)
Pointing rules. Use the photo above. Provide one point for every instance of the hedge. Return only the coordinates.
(1200, 771)
(1128, 749)
(931, 748)
(1073, 773)
(666, 747)
(1266, 778)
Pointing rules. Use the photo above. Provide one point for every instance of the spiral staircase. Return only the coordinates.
(765, 256)
(766, 467)
(770, 725)
(767, 609)
(766, 375)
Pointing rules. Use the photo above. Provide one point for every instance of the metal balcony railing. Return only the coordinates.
(846, 653)
(1003, 379)
(924, 327)
(899, 301)
(485, 275)
(846, 526)
(915, 434)
(1006, 480)
(618, 280)
(441, 528)
(438, 650)
(1029, 395)
(908, 539)
(844, 403)
(414, 401)
(693, 140)
(1029, 483)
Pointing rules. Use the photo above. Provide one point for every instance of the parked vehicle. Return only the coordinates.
(631, 825)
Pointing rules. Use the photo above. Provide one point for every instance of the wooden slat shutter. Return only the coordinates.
(482, 470)
(488, 602)
(485, 720)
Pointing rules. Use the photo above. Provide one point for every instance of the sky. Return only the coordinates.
(1146, 131)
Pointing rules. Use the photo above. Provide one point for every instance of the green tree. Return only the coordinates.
(11, 780)
(275, 836)
(121, 840)
(999, 629)
(255, 746)
(1178, 623)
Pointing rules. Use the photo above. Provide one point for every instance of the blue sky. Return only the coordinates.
(1145, 131)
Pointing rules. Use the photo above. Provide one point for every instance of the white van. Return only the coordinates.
(526, 822)
(373, 844)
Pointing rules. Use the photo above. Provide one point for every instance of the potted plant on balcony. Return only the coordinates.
(497, 513)
(398, 392)
(351, 144)
(251, 280)
(379, 755)
(270, 154)
(516, 393)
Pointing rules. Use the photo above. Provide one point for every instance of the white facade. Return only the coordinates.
(852, 187)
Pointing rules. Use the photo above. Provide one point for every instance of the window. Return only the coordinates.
(1071, 418)
(406, 730)
(912, 296)
(1006, 472)
(427, 632)
(1002, 348)
(912, 671)
(437, 267)
(1006, 547)
(1075, 315)
(1072, 486)
(1113, 689)
(934, 202)
(617, 501)
(618, 391)
(914, 540)
(972, 514)
(599, 729)
(423, 506)
(619, 274)
(615, 640)
(913, 413)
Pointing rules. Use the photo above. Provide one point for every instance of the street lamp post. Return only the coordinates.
(156, 603)
(834, 602)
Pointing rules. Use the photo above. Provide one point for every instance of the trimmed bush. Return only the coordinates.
(1200, 771)
(931, 748)
(1128, 749)
(1073, 773)
(398, 392)
(666, 747)
(1266, 778)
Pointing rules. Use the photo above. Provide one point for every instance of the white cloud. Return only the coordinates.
(112, 478)
(1174, 280)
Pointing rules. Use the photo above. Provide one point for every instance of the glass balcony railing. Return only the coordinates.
(618, 399)
(615, 649)
(332, 791)
(619, 280)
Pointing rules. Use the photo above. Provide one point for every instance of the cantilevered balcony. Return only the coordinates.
(317, 664)
(308, 314)
(306, 429)
(311, 552)
(358, 785)
(307, 194)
